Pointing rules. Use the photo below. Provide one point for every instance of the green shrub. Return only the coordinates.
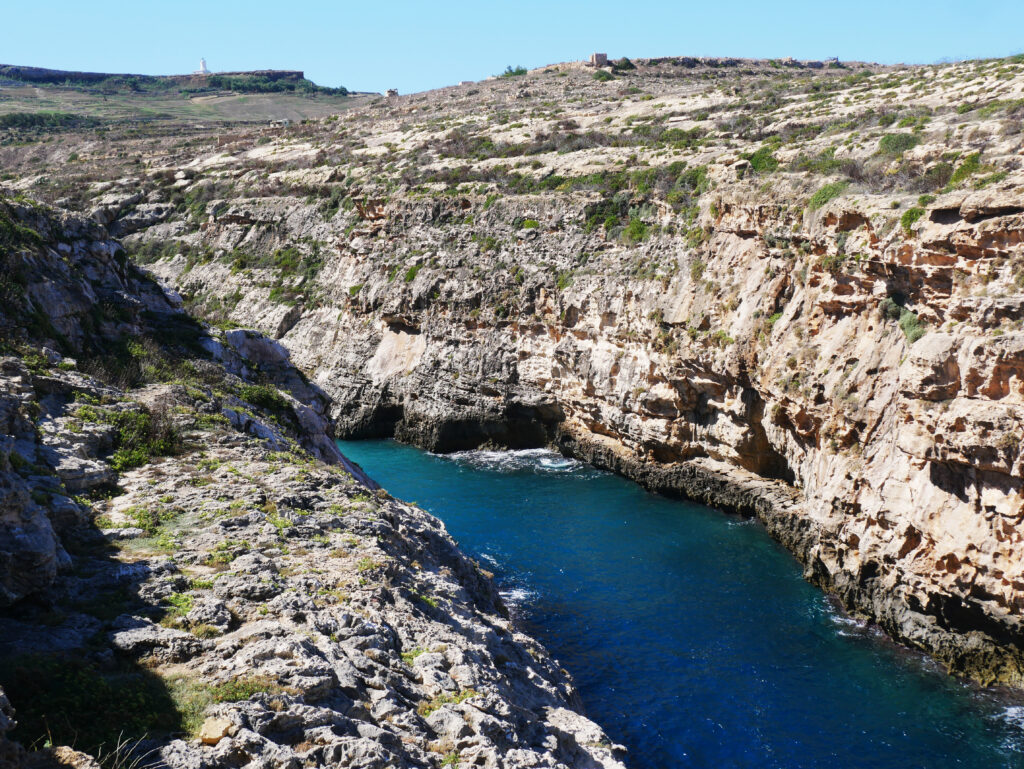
(353, 290)
(911, 326)
(909, 219)
(890, 309)
(46, 120)
(140, 436)
(410, 274)
(970, 166)
(985, 181)
(530, 224)
(603, 76)
(823, 163)
(896, 144)
(511, 71)
(762, 161)
(125, 459)
(636, 231)
(827, 193)
(264, 396)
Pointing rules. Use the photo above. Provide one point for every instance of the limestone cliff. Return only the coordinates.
(191, 575)
(788, 290)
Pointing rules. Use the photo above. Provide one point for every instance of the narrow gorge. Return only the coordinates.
(789, 290)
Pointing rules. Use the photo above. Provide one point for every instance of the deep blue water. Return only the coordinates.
(691, 635)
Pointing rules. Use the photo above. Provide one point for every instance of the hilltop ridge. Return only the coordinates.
(253, 80)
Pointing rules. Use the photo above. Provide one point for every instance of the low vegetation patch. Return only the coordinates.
(911, 325)
(910, 218)
(970, 166)
(428, 707)
(762, 161)
(827, 193)
(896, 144)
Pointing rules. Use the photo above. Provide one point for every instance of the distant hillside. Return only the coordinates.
(258, 81)
(36, 102)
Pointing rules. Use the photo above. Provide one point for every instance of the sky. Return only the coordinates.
(374, 45)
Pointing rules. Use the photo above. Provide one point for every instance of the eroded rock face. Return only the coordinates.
(10, 752)
(236, 570)
(30, 549)
(367, 635)
(793, 291)
(783, 353)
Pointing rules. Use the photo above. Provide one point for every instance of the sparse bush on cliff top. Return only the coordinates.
(909, 219)
(762, 161)
(511, 71)
(897, 144)
(826, 193)
(970, 166)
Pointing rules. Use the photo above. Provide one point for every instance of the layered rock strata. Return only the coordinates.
(788, 290)
(194, 575)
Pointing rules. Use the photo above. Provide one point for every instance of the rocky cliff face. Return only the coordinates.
(789, 290)
(761, 381)
(192, 574)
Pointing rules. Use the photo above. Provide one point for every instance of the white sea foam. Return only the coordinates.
(490, 559)
(517, 597)
(541, 461)
(845, 624)
(1013, 715)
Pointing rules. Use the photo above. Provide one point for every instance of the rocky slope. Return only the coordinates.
(788, 289)
(192, 575)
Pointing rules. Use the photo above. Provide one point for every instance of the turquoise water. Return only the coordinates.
(691, 635)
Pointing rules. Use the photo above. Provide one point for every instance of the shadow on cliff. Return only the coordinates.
(59, 669)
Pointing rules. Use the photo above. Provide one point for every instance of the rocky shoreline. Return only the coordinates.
(791, 292)
(192, 574)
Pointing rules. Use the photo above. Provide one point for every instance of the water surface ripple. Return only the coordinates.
(691, 635)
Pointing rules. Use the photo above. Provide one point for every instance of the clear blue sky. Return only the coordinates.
(421, 44)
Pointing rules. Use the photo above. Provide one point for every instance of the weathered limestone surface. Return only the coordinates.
(756, 352)
(892, 470)
(787, 290)
(243, 561)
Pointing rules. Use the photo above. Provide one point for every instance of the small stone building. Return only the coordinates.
(598, 60)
